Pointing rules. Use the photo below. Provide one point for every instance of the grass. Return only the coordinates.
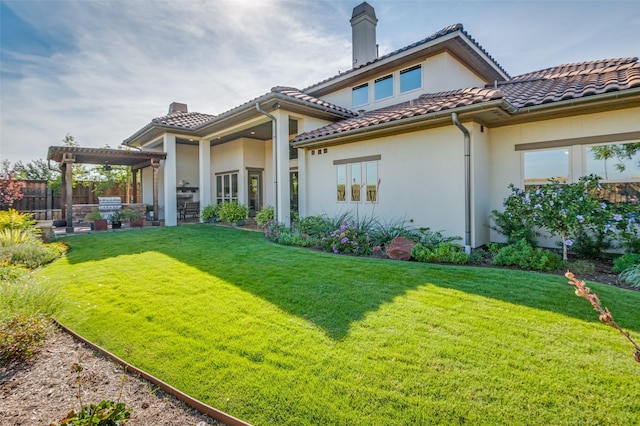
(282, 335)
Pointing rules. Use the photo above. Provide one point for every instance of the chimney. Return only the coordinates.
(363, 34)
(178, 107)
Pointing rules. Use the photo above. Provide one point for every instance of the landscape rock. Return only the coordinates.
(400, 248)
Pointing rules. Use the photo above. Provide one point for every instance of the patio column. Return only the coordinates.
(282, 178)
(170, 181)
(204, 157)
(134, 182)
(154, 166)
(68, 161)
(302, 182)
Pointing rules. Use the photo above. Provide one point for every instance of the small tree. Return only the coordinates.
(10, 187)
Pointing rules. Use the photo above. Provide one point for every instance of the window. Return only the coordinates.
(360, 173)
(372, 181)
(360, 95)
(226, 187)
(618, 166)
(383, 87)
(411, 78)
(542, 165)
(356, 181)
(342, 182)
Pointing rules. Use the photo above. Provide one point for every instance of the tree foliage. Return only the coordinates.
(11, 189)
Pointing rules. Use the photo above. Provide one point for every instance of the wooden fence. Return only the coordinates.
(40, 200)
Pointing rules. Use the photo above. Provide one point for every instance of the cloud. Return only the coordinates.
(129, 60)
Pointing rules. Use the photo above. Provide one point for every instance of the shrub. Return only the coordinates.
(443, 252)
(349, 238)
(20, 247)
(381, 234)
(627, 260)
(24, 292)
(12, 219)
(232, 212)
(524, 256)
(582, 267)
(631, 276)
(94, 215)
(264, 216)
(479, 256)
(20, 338)
(432, 239)
(105, 413)
(514, 223)
(210, 212)
(317, 226)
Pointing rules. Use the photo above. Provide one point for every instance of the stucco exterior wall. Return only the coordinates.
(187, 164)
(480, 183)
(440, 73)
(421, 179)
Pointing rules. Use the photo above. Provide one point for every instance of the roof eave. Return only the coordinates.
(468, 52)
(406, 124)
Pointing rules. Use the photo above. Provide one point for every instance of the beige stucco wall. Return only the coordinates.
(507, 163)
(440, 73)
(480, 183)
(421, 174)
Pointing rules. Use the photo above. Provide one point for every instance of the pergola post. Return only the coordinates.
(154, 166)
(134, 195)
(68, 161)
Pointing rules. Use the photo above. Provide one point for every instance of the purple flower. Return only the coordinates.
(617, 217)
(568, 243)
(551, 202)
(344, 240)
(580, 218)
(538, 206)
(603, 205)
(335, 251)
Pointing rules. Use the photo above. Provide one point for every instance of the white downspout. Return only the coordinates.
(274, 148)
(467, 182)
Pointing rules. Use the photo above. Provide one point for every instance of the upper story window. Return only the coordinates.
(544, 164)
(411, 78)
(383, 87)
(360, 95)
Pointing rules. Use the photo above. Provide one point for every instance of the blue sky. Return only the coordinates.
(101, 70)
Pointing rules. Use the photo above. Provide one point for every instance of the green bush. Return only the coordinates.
(20, 338)
(624, 262)
(232, 212)
(264, 216)
(24, 292)
(479, 256)
(381, 234)
(22, 247)
(581, 267)
(431, 239)
(524, 256)
(443, 252)
(348, 238)
(631, 276)
(211, 212)
(13, 219)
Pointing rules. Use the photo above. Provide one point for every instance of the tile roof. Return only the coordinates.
(425, 104)
(185, 120)
(297, 94)
(443, 32)
(570, 81)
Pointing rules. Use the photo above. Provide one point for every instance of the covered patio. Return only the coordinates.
(67, 156)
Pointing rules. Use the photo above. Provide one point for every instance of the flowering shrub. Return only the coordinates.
(574, 213)
(348, 239)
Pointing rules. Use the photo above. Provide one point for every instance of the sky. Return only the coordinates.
(101, 70)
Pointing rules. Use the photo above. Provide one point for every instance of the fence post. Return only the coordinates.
(49, 214)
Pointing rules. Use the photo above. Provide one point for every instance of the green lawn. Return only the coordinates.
(288, 336)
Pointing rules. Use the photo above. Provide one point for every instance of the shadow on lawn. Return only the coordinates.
(335, 291)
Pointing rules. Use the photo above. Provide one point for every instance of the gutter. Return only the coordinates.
(467, 182)
(274, 149)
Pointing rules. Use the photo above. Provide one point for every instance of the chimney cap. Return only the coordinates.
(177, 107)
(366, 9)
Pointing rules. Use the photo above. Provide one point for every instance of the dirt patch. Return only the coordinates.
(43, 391)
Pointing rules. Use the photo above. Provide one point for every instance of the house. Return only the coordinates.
(433, 132)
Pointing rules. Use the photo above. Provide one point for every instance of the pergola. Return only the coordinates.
(66, 156)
